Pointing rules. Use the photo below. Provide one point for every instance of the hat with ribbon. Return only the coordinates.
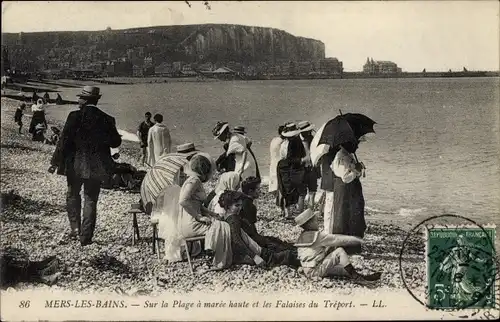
(305, 126)
(219, 128)
(290, 130)
(304, 217)
(240, 129)
(185, 148)
(90, 92)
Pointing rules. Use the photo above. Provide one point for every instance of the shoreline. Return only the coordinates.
(37, 219)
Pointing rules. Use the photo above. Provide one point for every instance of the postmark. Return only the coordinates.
(451, 265)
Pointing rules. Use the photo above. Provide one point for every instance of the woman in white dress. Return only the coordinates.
(245, 164)
(192, 218)
(274, 152)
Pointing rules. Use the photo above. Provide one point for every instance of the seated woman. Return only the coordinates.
(251, 188)
(227, 181)
(194, 219)
(243, 248)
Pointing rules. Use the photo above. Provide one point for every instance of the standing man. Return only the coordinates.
(142, 134)
(18, 116)
(82, 155)
(159, 141)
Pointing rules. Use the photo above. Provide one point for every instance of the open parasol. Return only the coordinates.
(344, 129)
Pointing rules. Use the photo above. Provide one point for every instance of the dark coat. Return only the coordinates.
(83, 150)
(37, 118)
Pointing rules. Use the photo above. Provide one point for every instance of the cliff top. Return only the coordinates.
(162, 28)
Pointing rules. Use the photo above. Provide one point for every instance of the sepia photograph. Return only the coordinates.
(250, 160)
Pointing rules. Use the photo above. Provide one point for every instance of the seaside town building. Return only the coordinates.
(377, 67)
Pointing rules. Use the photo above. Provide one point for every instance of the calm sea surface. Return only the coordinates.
(436, 150)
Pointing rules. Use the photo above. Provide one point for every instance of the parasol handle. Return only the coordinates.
(340, 111)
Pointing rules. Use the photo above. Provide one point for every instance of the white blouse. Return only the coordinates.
(343, 166)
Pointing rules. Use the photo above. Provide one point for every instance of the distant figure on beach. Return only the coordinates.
(291, 171)
(142, 134)
(241, 130)
(83, 155)
(35, 97)
(59, 99)
(245, 164)
(312, 173)
(46, 98)
(274, 153)
(18, 116)
(159, 141)
(38, 124)
(323, 255)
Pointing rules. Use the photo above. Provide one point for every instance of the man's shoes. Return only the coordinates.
(85, 243)
(68, 237)
(369, 280)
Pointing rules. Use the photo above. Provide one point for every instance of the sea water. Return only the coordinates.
(436, 148)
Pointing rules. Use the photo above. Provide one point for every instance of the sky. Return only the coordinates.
(435, 35)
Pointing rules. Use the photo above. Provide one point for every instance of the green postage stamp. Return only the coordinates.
(461, 267)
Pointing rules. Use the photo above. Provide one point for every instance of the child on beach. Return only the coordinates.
(18, 116)
(321, 254)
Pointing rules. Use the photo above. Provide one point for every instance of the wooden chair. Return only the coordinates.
(134, 210)
(185, 243)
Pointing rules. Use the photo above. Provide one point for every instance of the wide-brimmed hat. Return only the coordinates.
(305, 126)
(304, 217)
(185, 148)
(290, 130)
(219, 128)
(239, 129)
(90, 92)
(190, 168)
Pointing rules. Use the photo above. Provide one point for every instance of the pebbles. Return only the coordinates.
(35, 217)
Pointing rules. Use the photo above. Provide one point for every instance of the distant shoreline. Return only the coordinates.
(347, 75)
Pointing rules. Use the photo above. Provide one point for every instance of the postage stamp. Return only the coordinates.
(461, 267)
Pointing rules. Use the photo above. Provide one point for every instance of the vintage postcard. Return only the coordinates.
(250, 160)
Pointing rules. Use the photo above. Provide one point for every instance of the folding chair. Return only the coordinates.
(185, 243)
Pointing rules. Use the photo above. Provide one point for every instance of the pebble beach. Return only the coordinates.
(35, 220)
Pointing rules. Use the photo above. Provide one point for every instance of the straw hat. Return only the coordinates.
(185, 148)
(240, 129)
(304, 217)
(219, 128)
(305, 126)
(290, 130)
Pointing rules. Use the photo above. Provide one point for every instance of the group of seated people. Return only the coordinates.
(227, 218)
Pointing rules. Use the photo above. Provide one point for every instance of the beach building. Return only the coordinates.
(330, 66)
(376, 67)
(119, 68)
(131, 54)
(164, 69)
(224, 73)
(177, 66)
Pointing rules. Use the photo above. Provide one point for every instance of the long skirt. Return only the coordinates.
(290, 182)
(349, 211)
